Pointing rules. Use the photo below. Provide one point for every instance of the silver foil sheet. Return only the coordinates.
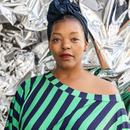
(24, 47)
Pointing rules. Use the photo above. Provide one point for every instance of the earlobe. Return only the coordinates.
(85, 49)
(85, 46)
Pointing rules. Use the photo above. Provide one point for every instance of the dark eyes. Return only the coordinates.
(74, 39)
(56, 40)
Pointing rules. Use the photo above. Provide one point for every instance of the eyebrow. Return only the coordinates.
(74, 32)
(56, 33)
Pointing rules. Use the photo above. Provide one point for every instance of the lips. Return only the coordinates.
(66, 56)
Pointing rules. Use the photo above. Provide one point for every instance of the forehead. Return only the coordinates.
(67, 24)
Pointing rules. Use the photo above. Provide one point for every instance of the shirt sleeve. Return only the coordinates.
(126, 99)
(22, 92)
(122, 122)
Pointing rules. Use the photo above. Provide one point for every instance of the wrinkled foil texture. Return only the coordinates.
(24, 47)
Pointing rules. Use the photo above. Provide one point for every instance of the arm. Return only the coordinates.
(123, 122)
(16, 104)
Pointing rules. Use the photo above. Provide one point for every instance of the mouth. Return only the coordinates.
(66, 56)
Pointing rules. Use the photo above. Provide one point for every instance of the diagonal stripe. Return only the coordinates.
(14, 128)
(121, 118)
(15, 115)
(69, 110)
(30, 105)
(54, 111)
(124, 126)
(101, 116)
(28, 86)
(67, 119)
(33, 94)
(62, 110)
(18, 99)
(47, 111)
(78, 124)
(38, 105)
(69, 90)
(15, 122)
(42, 107)
(98, 97)
(21, 89)
(28, 101)
(114, 118)
(119, 122)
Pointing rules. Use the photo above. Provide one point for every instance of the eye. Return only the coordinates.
(74, 39)
(56, 40)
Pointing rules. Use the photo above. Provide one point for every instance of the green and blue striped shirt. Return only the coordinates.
(45, 103)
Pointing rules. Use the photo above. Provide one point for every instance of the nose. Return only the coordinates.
(66, 44)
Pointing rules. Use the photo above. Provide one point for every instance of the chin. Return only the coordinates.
(66, 65)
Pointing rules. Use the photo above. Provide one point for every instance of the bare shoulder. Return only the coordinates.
(104, 86)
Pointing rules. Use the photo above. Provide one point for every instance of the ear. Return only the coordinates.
(49, 46)
(85, 45)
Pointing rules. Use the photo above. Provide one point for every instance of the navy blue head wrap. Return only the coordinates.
(60, 8)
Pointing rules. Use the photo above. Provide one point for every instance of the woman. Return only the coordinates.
(67, 98)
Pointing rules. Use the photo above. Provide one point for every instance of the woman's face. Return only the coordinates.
(67, 43)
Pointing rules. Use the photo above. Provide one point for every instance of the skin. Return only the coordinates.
(68, 37)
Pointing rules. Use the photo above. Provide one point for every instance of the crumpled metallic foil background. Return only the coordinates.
(24, 46)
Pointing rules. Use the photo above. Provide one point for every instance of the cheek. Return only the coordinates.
(55, 51)
(79, 50)
(53, 48)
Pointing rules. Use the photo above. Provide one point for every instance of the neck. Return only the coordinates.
(68, 73)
